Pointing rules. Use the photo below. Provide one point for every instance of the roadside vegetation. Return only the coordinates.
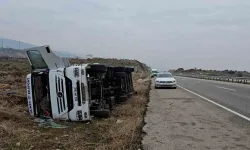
(19, 131)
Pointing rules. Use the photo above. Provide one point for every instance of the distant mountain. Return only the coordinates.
(9, 52)
(7, 43)
(64, 54)
(12, 48)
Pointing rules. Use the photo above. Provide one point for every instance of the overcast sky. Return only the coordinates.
(165, 34)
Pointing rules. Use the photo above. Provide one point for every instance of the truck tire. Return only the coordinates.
(105, 113)
(99, 68)
(122, 99)
(119, 69)
(128, 69)
(120, 74)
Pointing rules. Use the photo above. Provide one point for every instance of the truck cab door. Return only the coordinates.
(42, 57)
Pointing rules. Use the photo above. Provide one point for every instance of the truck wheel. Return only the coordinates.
(119, 69)
(122, 98)
(95, 67)
(105, 113)
(128, 69)
(120, 74)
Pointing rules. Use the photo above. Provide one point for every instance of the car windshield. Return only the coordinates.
(164, 75)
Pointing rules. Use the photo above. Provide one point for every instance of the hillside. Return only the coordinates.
(9, 52)
(14, 44)
(11, 48)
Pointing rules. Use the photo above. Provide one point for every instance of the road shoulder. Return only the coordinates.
(176, 119)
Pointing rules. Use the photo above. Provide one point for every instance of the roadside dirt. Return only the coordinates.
(19, 131)
(177, 120)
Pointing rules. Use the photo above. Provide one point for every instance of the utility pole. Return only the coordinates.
(19, 45)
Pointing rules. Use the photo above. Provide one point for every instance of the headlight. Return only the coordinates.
(174, 81)
(157, 81)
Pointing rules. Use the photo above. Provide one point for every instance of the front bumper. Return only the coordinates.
(165, 85)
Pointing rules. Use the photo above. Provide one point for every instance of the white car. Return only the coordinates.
(165, 79)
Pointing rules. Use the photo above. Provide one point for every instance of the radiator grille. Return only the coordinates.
(60, 94)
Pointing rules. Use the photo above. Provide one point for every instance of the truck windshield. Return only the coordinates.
(36, 59)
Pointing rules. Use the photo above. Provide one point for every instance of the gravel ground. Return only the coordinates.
(178, 120)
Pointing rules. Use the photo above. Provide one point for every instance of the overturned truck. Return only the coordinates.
(74, 92)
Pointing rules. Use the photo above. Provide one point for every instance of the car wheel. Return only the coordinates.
(156, 87)
(175, 87)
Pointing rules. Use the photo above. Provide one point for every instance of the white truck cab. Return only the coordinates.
(55, 88)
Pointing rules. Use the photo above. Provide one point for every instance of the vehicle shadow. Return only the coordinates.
(163, 88)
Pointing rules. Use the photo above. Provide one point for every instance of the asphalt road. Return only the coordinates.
(179, 120)
(231, 95)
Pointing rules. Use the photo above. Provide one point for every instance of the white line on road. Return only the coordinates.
(225, 88)
(230, 110)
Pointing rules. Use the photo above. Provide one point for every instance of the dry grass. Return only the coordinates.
(18, 131)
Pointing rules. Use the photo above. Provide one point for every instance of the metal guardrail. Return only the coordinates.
(243, 80)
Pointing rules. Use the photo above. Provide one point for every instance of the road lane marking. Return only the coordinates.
(225, 88)
(223, 107)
